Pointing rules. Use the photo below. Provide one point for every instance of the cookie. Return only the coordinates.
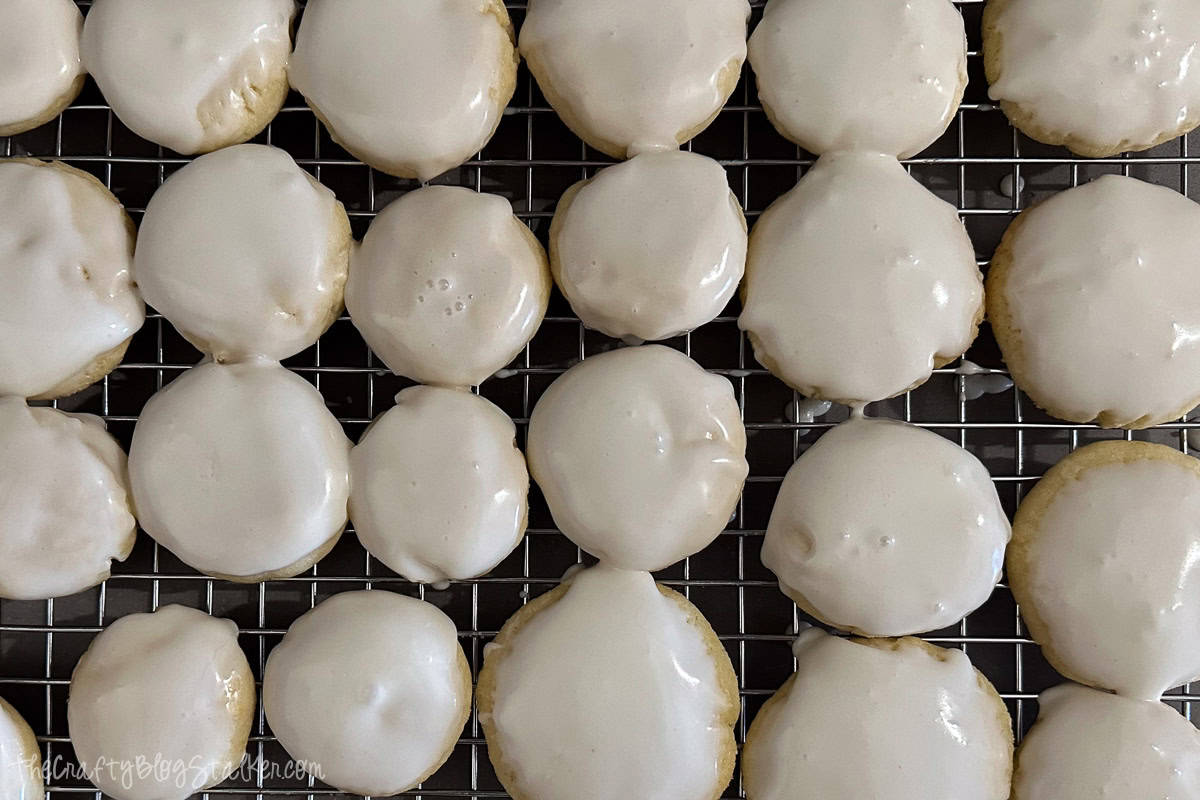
(20, 758)
(40, 69)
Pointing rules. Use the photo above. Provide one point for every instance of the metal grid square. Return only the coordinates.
(532, 159)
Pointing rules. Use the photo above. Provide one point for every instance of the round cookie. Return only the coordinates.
(439, 490)
(40, 70)
(650, 248)
(245, 254)
(1088, 744)
(886, 529)
(1127, 78)
(66, 258)
(448, 286)
(371, 686)
(241, 471)
(917, 720)
(627, 75)
(1091, 295)
(1102, 564)
(195, 76)
(609, 670)
(872, 75)
(171, 690)
(641, 455)
(860, 282)
(413, 89)
(64, 502)
(20, 758)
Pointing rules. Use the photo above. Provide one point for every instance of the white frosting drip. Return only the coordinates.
(641, 455)
(413, 87)
(170, 688)
(1089, 744)
(64, 509)
(1113, 572)
(20, 758)
(239, 251)
(651, 248)
(887, 529)
(439, 488)
(1122, 75)
(858, 280)
(1102, 290)
(240, 470)
(65, 261)
(371, 686)
(610, 692)
(39, 56)
(183, 74)
(636, 75)
(923, 727)
(447, 286)
(861, 74)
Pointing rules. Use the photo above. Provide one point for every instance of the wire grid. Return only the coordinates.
(533, 158)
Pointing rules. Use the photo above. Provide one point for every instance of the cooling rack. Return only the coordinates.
(982, 166)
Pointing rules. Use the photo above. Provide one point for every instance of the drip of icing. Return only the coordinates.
(978, 381)
(39, 57)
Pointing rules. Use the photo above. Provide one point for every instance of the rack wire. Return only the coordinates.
(984, 167)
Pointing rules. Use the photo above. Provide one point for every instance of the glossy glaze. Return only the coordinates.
(39, 57)
(640, 454)
(650, 248)
(240, 470)
(20, 758)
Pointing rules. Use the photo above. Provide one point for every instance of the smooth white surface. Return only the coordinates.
(887, 529)
(641, 455)
(446, 288)
(438, 487)
(39, 56)
(170, 688)
(858, 279)
(65, 276)
(239, 469)
(610, 693)
(651, 248)
(633, 73)
(64, 505)
(914, 726)
(1102, 289)
(235, 251)
(405, 83)
(1088, 744)
(861, 74)
(368, 685)
(181, 74)
(20, 760)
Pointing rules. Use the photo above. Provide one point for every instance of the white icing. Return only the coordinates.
(439, 488)
(1102, 290)
(239, 250)
(640, 454)
(636, 75)
(20, 758)
(1113, 572)
(240, 470)
(64, 508)
(65, 261)
(186, 75)
(171, 690)
(370, 687)
(1089, 744)
(408, 87)
(610, 692)
(651, 248)
(447, 287)
(858, 280)
(1121, 76)
(39, 56)
(887, 529)
(861, 74)
(917, 726)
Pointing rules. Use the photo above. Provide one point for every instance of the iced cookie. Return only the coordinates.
(20, 758)
(40, 70)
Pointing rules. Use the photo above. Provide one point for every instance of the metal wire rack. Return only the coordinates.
(982, 166)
